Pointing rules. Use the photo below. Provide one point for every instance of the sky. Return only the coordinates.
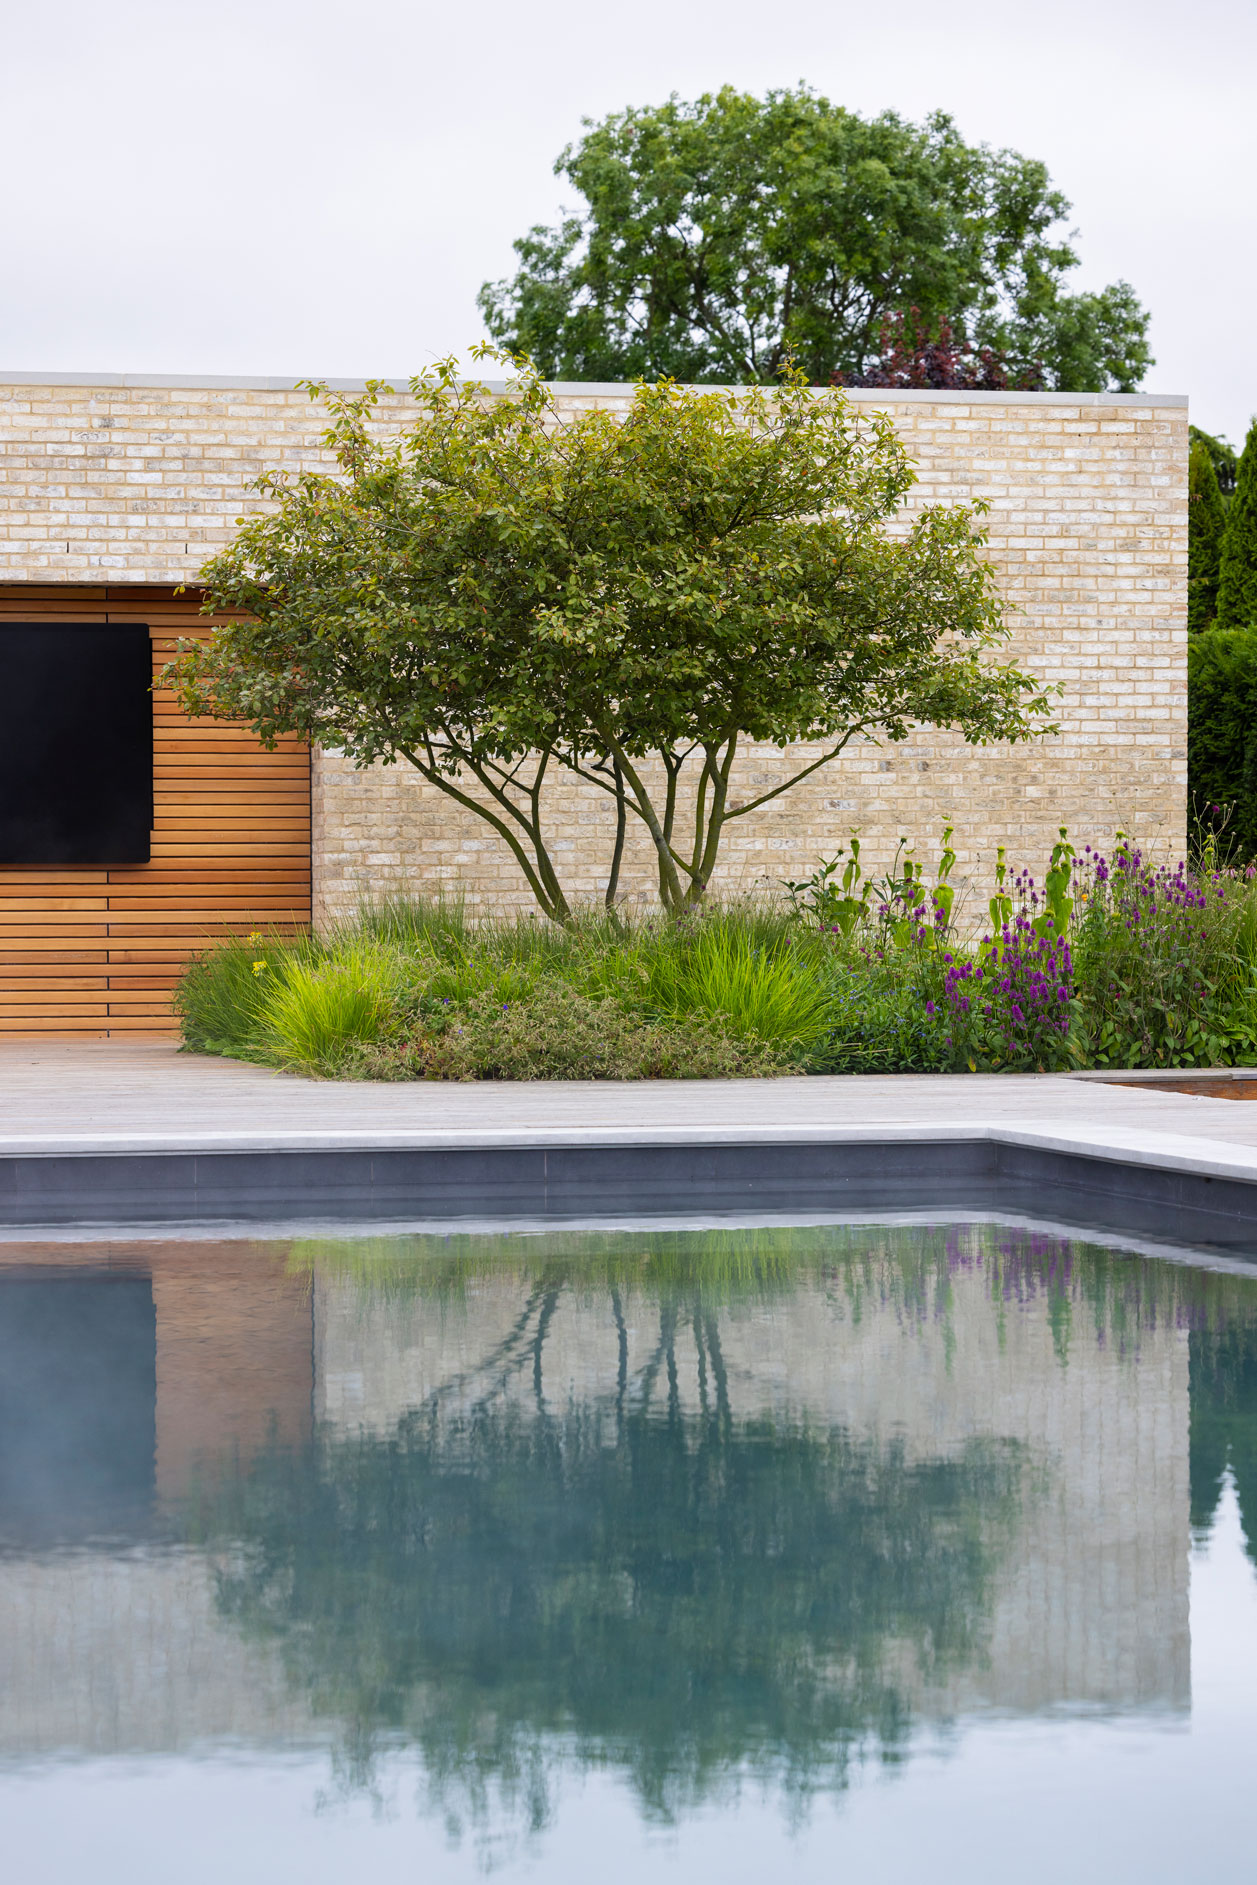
(298, 187)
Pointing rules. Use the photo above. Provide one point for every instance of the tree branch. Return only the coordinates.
(740, 811)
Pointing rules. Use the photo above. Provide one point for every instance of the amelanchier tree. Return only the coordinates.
(497, 595)
(718, 236)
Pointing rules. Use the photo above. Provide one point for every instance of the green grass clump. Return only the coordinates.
(760, 990)
(409, 990)
(222, 992)
(317, 1011)
(427, 924)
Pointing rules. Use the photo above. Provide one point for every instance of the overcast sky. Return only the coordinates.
(274, 187)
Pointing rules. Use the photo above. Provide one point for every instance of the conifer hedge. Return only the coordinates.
(1222, 731)
(1206, 521)
(1237, 564)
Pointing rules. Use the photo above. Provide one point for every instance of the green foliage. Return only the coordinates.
(315, 1011)
(1105, 962)
(1237, 570)
(438, 923)
(220, 996)
(411, 992)
(553, 1031)
(1206, 521)
(494, 596)
(773, 997)
(1164, 964)
(720, 238)
(1222, 733)
(1221, 457)
(842, 905)
(1085, 342)
(889, 1017)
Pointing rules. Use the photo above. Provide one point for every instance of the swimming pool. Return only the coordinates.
(733, 1551)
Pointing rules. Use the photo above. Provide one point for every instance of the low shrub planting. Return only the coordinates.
(1107, 961)
(558, 1033)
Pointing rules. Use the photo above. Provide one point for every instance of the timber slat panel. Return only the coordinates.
(97, 951)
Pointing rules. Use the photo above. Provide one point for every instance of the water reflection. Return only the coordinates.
(77, 1405)
(684, 1507)
(1224, 1423)
(678, 1594)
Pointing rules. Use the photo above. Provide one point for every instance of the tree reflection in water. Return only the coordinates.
(683, 1594)
(1224, 1423)
(513, 1585)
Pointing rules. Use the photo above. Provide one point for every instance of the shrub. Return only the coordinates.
(887, 1016)
(559, 1033)
(1237, 562)
(1206, 521)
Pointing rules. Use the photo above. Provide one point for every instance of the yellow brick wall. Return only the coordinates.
(1088, 531)
(132, 480)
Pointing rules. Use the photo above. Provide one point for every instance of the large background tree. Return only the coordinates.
(497, 592)
(718, 236)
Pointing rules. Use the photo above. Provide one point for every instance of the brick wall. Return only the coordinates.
(134, 480)
(1088, 530)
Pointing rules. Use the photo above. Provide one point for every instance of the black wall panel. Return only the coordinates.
(76, 743)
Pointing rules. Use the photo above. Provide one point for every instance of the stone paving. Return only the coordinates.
(107, 1096)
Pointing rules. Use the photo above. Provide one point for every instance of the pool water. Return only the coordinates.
(833, 1551)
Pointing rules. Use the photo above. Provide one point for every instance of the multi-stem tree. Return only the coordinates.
(494, 594)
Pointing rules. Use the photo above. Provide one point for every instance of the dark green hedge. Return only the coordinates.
(1222, 729)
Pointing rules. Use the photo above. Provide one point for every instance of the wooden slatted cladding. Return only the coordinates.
(96, 950)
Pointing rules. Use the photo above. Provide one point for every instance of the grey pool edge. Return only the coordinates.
(1166, 1188)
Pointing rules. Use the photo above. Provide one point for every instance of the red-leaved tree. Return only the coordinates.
(911, 357)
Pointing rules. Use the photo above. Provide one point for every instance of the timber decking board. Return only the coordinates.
(97, 951)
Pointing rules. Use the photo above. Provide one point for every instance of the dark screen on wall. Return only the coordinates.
(76, 743)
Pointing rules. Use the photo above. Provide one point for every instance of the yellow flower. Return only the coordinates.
(260, 967)
(254, 936)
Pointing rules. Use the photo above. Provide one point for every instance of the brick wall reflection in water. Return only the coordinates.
(117, 1643)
